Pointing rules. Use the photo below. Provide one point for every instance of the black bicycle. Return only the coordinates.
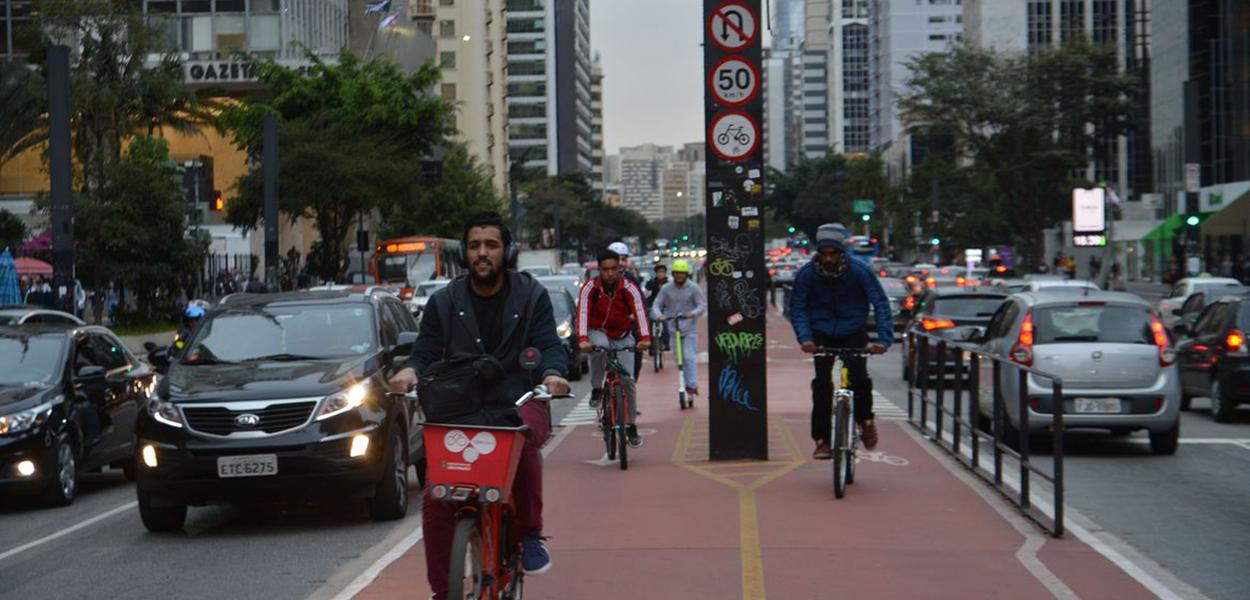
(845, 436)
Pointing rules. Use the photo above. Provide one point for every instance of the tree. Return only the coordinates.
(351, 137)
(464, 190)
(12, 231)
(117, 90)
(133, 229)
(820, 190)
(23, 109)
(586, 223)
(1027, 121)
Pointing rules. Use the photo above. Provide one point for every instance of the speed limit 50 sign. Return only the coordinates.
(734, 81)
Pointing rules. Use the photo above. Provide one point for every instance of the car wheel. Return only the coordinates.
(63, 485)
(160, 518)
(128, 471)
(1165, 442)
(1221, 405)
(390, 501)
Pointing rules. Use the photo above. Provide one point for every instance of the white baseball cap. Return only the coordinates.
(619, 248)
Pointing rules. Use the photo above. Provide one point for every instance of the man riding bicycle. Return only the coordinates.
(604, 307)
(496, 311)
(653, 288)
(829, 307)
(682, 298)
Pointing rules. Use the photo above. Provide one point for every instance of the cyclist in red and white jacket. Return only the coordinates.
(605, 306)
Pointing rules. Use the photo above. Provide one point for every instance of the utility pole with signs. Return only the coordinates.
(737, 278)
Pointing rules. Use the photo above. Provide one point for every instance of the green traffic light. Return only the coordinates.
(1192, 221)
(791, 229)
(685, 237)
(866, 218)
(935, 241)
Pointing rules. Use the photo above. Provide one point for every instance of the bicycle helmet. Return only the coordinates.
(619, 248)
(681, 266)
(194, 312)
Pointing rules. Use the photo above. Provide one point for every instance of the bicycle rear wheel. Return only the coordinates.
(466, 581)
(841, 443)
(606, 425)
(622, 440)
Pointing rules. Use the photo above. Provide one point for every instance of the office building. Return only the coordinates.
(642, 171)
(470, 43)
(782, 74)
(816, 79)
(549, 84)
(902, 30)
(850, 114)
(596, 126)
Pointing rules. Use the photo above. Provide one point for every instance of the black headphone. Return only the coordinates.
(510, 250)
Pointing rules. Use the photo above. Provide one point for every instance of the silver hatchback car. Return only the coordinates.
(1117, 363)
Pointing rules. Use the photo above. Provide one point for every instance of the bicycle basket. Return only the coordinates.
(471, 456)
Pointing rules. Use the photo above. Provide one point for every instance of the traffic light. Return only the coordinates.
(219, 202)
(791, 229)
(866, 218)
(1192, 220)
(685, 238)
(935, 241)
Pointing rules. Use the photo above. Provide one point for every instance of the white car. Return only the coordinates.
(1185, 288)
(422, 294)
(1034, 285)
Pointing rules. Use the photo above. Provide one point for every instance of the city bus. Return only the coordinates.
(408, 261)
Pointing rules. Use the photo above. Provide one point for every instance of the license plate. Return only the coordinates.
(1098, 405)
(254, 465)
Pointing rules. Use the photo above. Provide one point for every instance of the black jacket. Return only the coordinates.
(448, 326)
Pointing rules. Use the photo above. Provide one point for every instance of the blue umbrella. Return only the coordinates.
(10, 293)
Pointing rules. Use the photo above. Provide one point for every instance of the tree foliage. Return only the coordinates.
(586, 223)
(1026, 121)
(350, 137)
(821, 190)
(118, 91)
(23, 109)
(12, 231)
(133, 229)
(464, 190)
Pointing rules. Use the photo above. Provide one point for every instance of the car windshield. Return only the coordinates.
(8, 319)
(537, 271)
(967, 306)
(560, 307)
(1092, 323)
(311, 331)
(894, 288)
(30, 360)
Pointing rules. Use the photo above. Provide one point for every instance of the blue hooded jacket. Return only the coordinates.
(839, 307)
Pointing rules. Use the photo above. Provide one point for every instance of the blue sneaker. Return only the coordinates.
(534, 556)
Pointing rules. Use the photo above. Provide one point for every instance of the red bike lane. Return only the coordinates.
(675, 525)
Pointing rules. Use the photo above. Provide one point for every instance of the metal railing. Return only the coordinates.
(966, 418)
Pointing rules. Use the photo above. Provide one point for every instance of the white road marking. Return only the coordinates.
(68, 530)
(366, 577)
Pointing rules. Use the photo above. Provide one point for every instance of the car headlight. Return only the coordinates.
(341, 402)
(164, 412)
(564, 329)
(21, 421)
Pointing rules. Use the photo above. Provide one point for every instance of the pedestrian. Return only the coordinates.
(1117, 278)
(97, 305)
(1095, 266)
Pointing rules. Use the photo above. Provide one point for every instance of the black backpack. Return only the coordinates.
(466, 389)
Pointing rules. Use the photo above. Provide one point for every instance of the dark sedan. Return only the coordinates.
(282, 396)
(69, 397)
(947, 312)
(1213, 356)
(564, 309)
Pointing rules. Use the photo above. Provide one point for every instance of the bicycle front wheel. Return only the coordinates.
(466, 579)
(622, 440)
(841, 447)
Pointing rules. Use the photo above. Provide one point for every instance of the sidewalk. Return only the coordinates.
(678, 526)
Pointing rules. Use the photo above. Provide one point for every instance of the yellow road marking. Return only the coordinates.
(764, 473)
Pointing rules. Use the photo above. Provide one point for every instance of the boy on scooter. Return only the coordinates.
(682, 298)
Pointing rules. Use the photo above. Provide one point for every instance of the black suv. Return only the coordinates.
(68, 399)
(280, 397)
(1214, 356)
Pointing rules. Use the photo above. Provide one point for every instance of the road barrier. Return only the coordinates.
(966, 418)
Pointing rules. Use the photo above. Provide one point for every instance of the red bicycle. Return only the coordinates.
(475, 466)
(613, 422)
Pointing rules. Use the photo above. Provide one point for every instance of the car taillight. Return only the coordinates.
(960, 281)
(909, 302)
(1167, 355)
(883, 272)
(910, 279)
(1235, 342)
(931, 282)
(1022, 352)
(931, 323)
(772, 271)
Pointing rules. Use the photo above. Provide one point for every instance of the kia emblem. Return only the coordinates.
(247, 420)
(1097, 355)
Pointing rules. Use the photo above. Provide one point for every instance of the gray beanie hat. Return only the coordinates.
(832, 235)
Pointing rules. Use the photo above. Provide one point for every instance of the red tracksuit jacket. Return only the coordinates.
(610, 310)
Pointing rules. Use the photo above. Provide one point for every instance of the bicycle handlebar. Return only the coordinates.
(615, 350)
(825, 351)
(540, 393)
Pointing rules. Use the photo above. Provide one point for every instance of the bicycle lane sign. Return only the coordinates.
(734, 134)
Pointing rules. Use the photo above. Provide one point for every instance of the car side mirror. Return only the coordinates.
(403, 347)
(90, 375)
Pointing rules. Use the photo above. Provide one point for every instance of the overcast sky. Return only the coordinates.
(652, 68)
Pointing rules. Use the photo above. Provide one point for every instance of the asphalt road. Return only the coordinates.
(98, 547)
(1186, 513)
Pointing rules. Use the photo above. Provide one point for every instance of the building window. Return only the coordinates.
(448, 91)
(230, 34)
(264, 33)
(447, 60)
(1104, 21)
(447, 28)
(446, 2)
(1071, 19)
(1040, 26)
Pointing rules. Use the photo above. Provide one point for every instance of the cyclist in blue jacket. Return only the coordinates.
(829, 307)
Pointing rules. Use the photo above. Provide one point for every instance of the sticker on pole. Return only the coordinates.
(734, 135)
(732, 26)
(734, 81)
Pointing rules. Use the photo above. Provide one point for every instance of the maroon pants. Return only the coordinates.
(527, 493)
